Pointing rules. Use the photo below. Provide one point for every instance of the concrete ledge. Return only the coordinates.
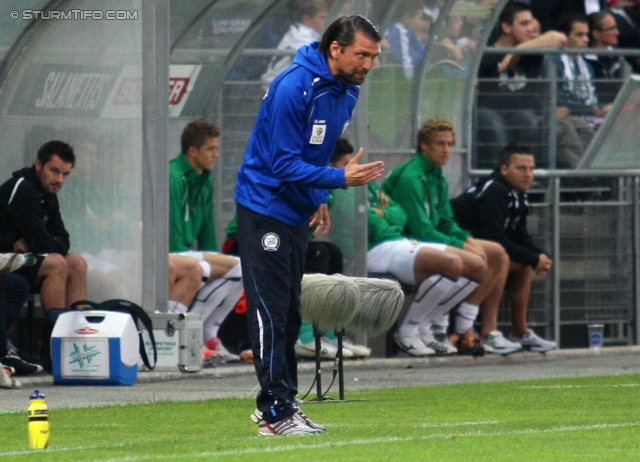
(233, 370)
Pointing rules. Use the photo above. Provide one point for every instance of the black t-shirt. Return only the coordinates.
(606, 67)
(517, 88)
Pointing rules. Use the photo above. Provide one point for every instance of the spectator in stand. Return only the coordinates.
(576, 90)
(192, 233)
(510, 102)
(407, 35)
(627, 18)
(31, 223)
(458, 47)
(604, 34)
(518, 29)
(549, 12)
(419, 186)
(536, 29)
(577, 100)
(310, 18)
(496, 209)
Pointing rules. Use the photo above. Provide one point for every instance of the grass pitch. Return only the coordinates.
(575, 419)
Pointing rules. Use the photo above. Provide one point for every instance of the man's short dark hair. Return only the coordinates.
(510, 11)
(196, 133)
(595, 20)
(506, 156)
(566, 22)
(343, 30)
(56, 148)
(343, 147)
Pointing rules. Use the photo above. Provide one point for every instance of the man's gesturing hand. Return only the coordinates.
(358, 175)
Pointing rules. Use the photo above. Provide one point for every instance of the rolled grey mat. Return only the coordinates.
(380, 304)
(329, 302)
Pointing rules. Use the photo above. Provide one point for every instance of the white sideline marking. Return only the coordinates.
(428, 425)
(456, 424)
(76, 448)
(333, 444)
(545, 387)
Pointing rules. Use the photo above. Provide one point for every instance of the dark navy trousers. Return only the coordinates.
(14, 291)
(272, 255)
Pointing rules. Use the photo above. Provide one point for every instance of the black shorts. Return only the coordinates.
(30, 271)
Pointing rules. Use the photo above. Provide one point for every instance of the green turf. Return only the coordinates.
(576, 419)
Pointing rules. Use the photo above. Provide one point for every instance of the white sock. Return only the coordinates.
(458, 292)
(176, 307)
(216, 300)
(440, 324)
(206, 272)
(466, 315)
(430, 291)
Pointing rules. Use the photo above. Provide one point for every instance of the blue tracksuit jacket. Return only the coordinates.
(285, 173)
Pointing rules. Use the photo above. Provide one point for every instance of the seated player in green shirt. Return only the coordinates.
(191, 231)
(421, 189)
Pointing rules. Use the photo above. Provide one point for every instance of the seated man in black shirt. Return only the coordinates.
(496, 209)
(31, 223)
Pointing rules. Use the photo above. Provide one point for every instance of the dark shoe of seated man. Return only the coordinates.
(20, 366)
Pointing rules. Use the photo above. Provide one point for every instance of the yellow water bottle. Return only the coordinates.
(38, 422)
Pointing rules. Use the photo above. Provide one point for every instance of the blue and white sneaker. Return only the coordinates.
(289, 426)
(413, 345)
(500, 345)
(438, 342)
(532, 342)
(308, 350)
(299, 415)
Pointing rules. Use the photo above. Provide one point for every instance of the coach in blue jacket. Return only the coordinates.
(282, 189)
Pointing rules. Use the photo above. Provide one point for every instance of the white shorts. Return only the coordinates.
(197, 254)
(397, 258)
(107, 261)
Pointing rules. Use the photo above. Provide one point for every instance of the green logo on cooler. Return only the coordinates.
(83, 354)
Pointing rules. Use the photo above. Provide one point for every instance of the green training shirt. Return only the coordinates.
(423, 192)
(190, 207)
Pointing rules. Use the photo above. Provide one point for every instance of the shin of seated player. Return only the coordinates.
(466, 315)
(497, 263)
(429, 293)
(185, 277)
(76, 287)
(217, 298)
(436, 272)
(456, 295)
(63, 280)
(520, 281)
(489, 293)
(473, 271)
(52, 276)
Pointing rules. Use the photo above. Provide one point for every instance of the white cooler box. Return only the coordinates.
(178, 342)
(95, 347)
